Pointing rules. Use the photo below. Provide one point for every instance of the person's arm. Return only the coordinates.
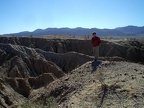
(92, 40)
(99, 41)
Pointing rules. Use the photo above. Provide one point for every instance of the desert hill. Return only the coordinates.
(79, 31)
(34, 69)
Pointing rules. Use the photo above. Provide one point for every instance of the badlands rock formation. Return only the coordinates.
(37, 68)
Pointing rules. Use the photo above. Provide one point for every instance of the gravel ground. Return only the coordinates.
(106, 84)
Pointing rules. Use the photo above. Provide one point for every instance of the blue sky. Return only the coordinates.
(28, 15)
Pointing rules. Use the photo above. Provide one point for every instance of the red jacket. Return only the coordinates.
(96, 41)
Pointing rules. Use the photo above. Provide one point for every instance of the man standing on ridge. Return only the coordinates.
(96, 43)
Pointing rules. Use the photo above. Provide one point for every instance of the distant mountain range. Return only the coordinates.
(120, 31)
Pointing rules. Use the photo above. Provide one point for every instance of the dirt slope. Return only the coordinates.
(102, 84)
(111, 85)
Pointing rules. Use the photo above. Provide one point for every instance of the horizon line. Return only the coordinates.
(70, 28)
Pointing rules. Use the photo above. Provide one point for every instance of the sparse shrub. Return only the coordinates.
(131, 39)
(29, 104)
(110, 38)
(50, 103)
(73, 37)
(31, 36)
(87, 37)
